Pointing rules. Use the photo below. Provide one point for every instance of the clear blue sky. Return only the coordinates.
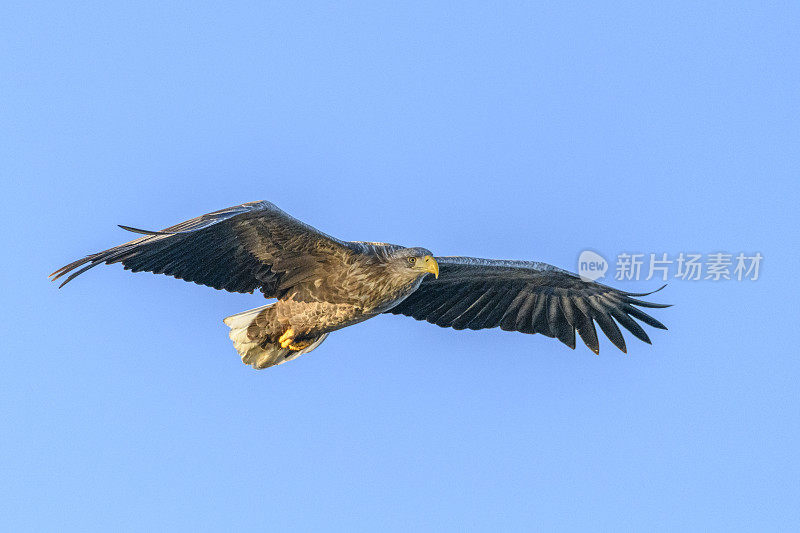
(505, 130)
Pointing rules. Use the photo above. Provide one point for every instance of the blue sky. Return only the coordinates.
(504, 130)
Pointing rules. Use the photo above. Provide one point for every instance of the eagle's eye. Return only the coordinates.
(412, 261)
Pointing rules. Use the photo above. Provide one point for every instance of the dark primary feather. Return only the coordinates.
(239, 249)
(526, 296)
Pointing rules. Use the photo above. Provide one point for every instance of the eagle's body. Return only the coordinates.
(364, 284)
(323, 284)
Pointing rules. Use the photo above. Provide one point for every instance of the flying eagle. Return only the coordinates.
(323, 284)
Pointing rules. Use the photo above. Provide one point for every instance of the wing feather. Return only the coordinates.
(524, 318)
(442, 305)
(529, 297)
(501, 303)
(238, 249)
(538, 322)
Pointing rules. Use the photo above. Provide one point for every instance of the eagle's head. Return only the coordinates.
(414, 262)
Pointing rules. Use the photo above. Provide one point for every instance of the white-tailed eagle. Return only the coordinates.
(323, 284)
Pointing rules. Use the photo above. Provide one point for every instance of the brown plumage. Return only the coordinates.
(323, 284)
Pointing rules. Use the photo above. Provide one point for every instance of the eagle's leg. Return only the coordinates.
(300, 345)
(287, 338)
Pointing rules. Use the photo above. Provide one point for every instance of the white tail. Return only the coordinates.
(253, 344)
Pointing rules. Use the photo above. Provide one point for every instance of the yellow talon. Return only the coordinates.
(296, 346)
(287, 338)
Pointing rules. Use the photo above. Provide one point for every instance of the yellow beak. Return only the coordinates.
(431, 265)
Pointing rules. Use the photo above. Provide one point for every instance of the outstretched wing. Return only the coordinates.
(525, 296)
(239, 249)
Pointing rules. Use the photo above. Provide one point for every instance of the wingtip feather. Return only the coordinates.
(645, 293)
(141, 231)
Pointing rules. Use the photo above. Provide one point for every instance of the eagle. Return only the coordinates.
(322, 284)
